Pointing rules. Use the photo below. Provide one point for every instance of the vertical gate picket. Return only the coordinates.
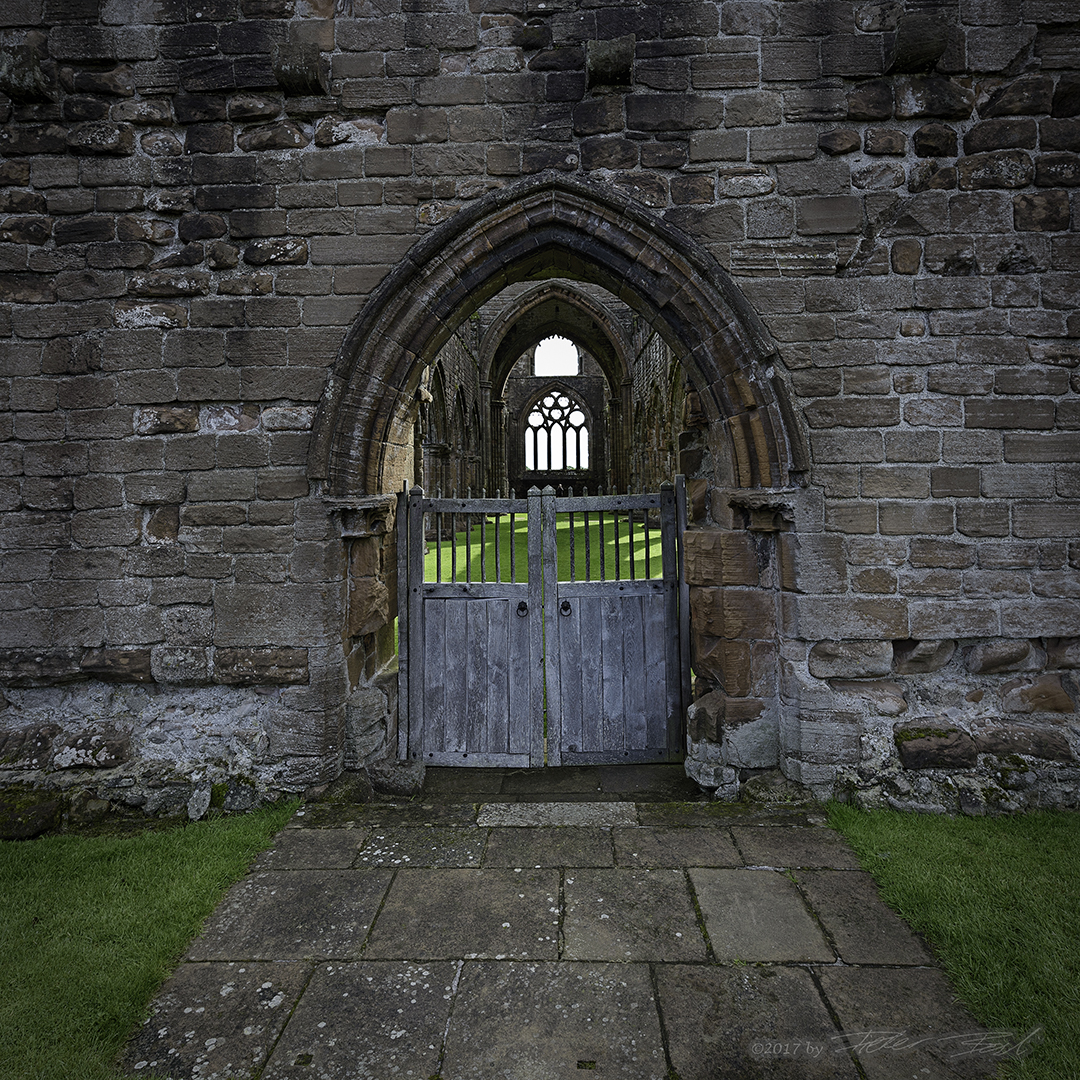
(417, 658)
(672, 576)
(401, 525)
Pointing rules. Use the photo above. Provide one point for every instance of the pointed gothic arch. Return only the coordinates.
(551, 226)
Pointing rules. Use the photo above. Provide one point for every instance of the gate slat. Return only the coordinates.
(549, 566)
(656, 673)
(633, 640)
(434, 689)
(519, 679)
(477, 738)
(536, 668)
(572, 647)
(670, 548)
(592, 704)
(497, 721)
(417, 737)
(454, 676)
(612, 668)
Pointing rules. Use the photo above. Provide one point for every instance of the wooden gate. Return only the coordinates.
(541, 631)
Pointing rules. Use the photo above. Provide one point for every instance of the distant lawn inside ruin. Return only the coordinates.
(472, 555)
(91, 925)
(998, 899)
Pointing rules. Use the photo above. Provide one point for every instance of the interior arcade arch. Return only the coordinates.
(552, 227)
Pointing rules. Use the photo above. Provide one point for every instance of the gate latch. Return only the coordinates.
(523, 609)
(564, 608)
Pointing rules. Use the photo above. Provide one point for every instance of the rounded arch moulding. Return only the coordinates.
(554, 227)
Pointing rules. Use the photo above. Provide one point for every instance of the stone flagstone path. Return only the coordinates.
(547, 940)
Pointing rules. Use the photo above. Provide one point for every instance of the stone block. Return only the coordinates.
(1003, 169)
(1045, 694)
(826, 738)
(812, 564)
(88, 750)
(1046, 211)
(725, 662)
(932, 744)
(1062, 653)
(744, 614)
(881, 697)
(118, 665)
(261, 667)
(713, 557)
(177, 665)
(1026, 739)
(922, 657)
(851, 659)
(818, 215)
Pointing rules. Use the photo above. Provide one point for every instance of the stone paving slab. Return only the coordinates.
(548, 1021)
(369, 1020)
(293, 915)
(783, 846)
(630, 915)
(423, 846)
(735, 1023)
(673, 846)
(330, 816)
(557, 813)
(905, 1022)
(471, 914)
(554, 845)
(313, 849)
(864, 929)
(753, 915)
(215, 1021)
(552, 782)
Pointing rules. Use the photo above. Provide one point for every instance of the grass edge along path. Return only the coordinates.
(998, 900)
(91, 926)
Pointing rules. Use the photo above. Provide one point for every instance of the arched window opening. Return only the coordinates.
(556, 356)
(557, 434)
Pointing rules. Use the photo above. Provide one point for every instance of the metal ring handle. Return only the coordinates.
(564, 608)
(523, 609)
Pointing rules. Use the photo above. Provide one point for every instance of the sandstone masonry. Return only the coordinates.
(840, 238)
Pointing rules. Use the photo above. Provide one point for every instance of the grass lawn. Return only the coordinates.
(474, 544)
(999, 901)
(90, 926)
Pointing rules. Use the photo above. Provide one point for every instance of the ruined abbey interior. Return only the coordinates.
(266, 263)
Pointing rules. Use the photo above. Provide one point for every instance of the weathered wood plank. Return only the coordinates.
(401, 526)
(433, 708)
(656, 674)
(612, 668)
(497, 719)
(678, 706)
(476, 675)
(592, 701)
(476, 506)
(416, 737)
(454, 675)
(549, 568)
(571, 648)
(635, 724)
(650, 587)
(565, 504)
(520, 679)
(476, 591)
(670, 543)
(536, 631)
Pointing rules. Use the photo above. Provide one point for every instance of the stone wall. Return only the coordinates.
(200, 202)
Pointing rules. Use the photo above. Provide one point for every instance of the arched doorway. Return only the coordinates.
(740, 434)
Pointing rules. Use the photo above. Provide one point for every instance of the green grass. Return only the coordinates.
(90, 926)
(521, 550)
(998, 899)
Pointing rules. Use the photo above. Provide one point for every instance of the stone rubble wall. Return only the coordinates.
(197, 198)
